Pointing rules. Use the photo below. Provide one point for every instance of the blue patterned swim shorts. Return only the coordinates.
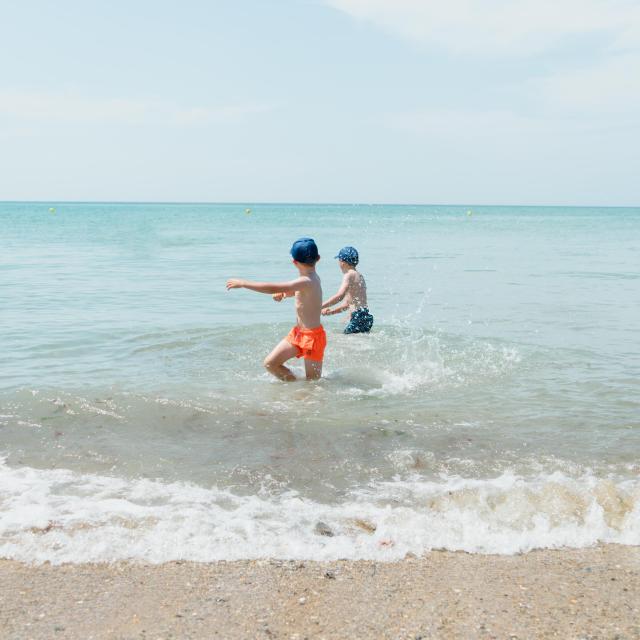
(361, 321)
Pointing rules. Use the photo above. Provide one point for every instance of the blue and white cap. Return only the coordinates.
(348, 255)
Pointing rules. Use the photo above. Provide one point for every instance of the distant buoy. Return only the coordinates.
(247, 211)
(52, 210)
(469, 213)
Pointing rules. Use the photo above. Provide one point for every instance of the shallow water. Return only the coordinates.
(494, 407)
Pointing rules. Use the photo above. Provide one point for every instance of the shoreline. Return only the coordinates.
(565, 593)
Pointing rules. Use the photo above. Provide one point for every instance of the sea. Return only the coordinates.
(494, 408)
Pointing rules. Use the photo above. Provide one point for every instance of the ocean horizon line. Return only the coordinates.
(326, 204)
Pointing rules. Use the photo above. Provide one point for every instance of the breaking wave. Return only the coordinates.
(62, 516)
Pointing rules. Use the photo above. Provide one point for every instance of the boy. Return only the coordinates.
(307, 339)
(354, 289)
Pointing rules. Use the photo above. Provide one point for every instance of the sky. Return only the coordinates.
(372, 101)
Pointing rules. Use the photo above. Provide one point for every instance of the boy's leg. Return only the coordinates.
(313, 369)
(274, 362)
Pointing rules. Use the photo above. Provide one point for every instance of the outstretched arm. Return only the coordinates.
(288, 288)
(342, 292)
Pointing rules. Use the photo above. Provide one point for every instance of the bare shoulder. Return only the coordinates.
(352, 276)
(304, 281)
(307, 283)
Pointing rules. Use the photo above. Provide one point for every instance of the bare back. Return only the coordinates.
(309, 303)
(356, 295)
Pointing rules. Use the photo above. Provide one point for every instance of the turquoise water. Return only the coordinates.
(495, 407)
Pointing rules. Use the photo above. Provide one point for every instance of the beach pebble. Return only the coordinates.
(302, 600)
(367, 526)
(323, 529)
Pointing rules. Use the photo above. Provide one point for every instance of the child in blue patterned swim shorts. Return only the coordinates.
(353, 291)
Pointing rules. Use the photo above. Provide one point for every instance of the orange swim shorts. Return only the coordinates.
(310, 342)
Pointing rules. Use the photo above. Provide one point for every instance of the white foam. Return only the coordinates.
(415, 361)
(62, 516)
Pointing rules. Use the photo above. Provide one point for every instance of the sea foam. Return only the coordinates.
(62, 516)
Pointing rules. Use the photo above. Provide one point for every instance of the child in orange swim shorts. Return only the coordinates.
(310, 342)
(307, 339)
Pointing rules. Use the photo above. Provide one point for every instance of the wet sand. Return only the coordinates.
(587, 594)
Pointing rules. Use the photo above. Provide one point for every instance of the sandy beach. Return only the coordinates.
(591, 593)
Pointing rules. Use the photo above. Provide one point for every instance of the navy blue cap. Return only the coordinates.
(349, 255)
(304, 250)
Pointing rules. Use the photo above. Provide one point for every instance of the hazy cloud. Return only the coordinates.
(607, 88)
(490, 27)
(458, 122)
(73, 107)
(606, 81)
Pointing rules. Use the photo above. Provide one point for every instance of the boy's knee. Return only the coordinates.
(268, 363)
